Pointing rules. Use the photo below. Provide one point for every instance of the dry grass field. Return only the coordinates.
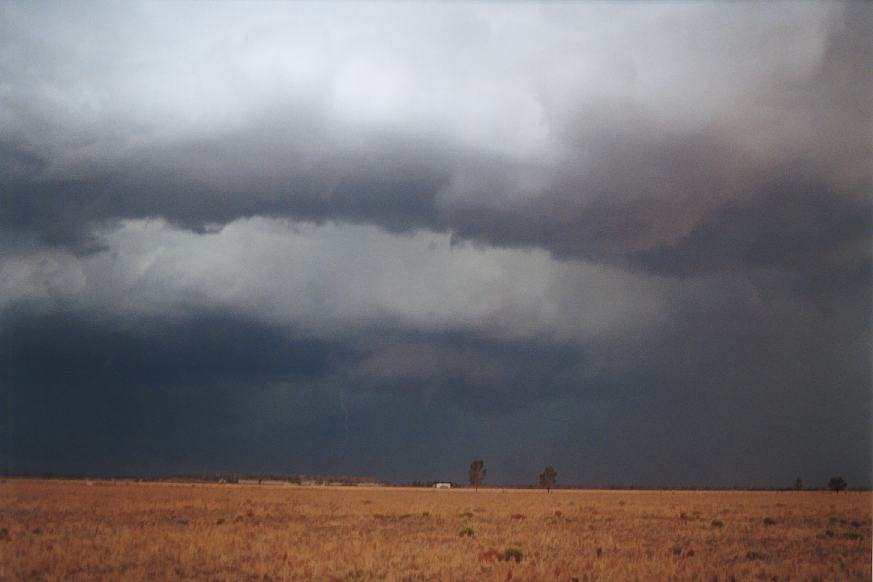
(120, 530)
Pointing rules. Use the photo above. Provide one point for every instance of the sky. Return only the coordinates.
(629, 240)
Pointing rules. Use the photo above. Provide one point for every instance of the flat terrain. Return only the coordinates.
(122, 530)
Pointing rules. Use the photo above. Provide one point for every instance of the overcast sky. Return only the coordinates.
(632, 241)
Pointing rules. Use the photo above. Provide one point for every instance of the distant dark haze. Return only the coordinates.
(631, 241)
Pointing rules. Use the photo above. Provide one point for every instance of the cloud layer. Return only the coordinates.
(603, 140)
(572, 228)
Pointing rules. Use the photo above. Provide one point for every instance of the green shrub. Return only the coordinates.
(466, 532)
(513, 554)
(769, 521)
(750, 555)
(717, 523)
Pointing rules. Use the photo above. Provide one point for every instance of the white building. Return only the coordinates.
(442, 485)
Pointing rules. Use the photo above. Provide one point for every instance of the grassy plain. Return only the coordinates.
(137, 531)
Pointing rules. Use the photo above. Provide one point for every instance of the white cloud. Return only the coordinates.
(520, 80)
(337, 280)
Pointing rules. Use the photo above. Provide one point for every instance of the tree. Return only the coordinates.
(798, 484)
(477, 473)
(548, 478)
(837, 484)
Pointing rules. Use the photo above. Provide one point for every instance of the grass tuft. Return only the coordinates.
(513, 554)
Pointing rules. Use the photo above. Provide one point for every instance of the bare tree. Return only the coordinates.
(477, 473)
(837, 484)
(548, 478)
(798, 484)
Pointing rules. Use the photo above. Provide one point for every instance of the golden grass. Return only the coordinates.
(122, 530)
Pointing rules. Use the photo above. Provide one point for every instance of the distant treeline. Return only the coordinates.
(354, 480)
(296, 479)
(638, 487)
(694, 488)
(213, 477)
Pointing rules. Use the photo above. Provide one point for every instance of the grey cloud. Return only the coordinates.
(574, 156)
(757, 402)
(793, 223)
(284, 167)
(633, 239)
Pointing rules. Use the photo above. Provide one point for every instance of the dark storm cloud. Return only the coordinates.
(768, 397)
(630, 240)
(171, 395)
(87, 394)
(391, 182)
(619, 175)
(57, 347)
(794, 224)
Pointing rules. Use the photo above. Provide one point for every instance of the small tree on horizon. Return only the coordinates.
(548, 478)
(477, 473)
(798, 484)
(837, 484)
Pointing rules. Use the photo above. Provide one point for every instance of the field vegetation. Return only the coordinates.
(59, 530)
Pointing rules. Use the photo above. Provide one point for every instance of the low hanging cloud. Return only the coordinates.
(335, 280)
